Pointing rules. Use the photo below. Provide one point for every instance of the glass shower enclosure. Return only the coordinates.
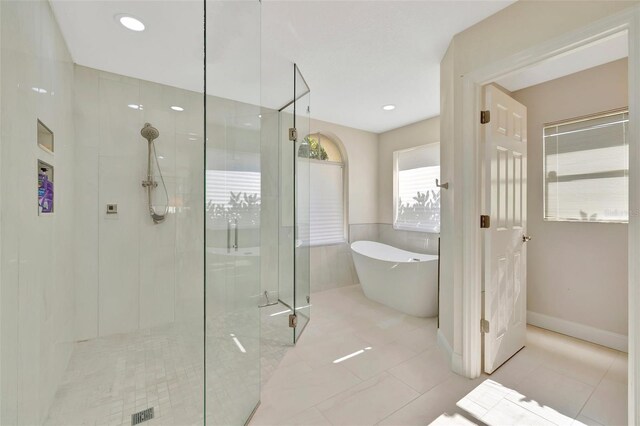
(107, 313)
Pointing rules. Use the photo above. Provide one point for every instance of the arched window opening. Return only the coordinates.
(327, 189)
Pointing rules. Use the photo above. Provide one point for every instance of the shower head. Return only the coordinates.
(149, 132)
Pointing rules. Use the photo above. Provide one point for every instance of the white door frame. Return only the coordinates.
(469, 127)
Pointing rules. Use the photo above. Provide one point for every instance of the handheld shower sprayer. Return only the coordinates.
(150, 133)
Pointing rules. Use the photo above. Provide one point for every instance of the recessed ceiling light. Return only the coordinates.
(130, 23)
(135, 106)
(160, 157)
(389, 107)
(39, 90)
(177, 108)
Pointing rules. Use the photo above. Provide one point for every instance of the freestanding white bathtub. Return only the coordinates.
(400, 279)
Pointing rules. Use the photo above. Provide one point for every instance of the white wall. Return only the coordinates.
(131, 273)
(520, 26)
(37, 256)
(576, 271)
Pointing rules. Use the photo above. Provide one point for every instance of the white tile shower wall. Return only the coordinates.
(132, 273)
(36, 295)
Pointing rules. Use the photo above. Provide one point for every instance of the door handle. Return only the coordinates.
(526, 238)
(235, 246)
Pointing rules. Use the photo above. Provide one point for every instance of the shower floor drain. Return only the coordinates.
(141, 416)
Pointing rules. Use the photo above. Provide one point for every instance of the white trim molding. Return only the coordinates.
(634, 218)
(579, 331)
(454, 359)
(444, 345)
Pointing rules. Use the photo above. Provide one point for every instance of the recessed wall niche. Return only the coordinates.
(45, 137)
(45, 188)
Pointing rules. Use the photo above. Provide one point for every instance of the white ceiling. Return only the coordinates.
(355, 55)
(598, 53)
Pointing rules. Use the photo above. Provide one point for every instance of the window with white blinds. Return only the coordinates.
(326, 203)
(416, 196)
(232, 194)
(586, 169)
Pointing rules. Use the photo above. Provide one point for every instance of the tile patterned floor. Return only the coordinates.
(276, 338)
(361, 363)
(109, 379)
(358, 363)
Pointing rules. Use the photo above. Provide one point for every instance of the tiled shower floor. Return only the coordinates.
(109, 379)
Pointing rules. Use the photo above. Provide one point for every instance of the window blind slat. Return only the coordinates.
(326, 203)
(586, 166)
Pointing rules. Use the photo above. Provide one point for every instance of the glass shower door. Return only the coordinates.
(232, 212)
(302, 258)
(294, 250)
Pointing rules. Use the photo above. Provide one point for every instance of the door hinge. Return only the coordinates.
(485, 116)
(484, 326)
(293, 134)
(485, 221)
(293, 321)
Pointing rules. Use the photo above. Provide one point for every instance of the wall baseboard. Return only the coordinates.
(579, 331)
(444, 345)
(454, 359)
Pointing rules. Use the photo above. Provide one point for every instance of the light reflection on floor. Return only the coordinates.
(496, 405)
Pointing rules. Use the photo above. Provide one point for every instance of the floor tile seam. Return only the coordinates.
(566, 376)
(593, 391)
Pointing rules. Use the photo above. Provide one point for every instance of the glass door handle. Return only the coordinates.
(235, 246)
(526, 238)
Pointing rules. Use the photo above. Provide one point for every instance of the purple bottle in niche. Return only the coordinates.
(45, 192)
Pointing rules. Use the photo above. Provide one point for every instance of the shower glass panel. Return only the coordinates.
(101, 308)
(302, 285)
(232, 211)
(293, 254)
(287, 246)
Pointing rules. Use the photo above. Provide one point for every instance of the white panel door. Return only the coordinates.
(505, 191)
